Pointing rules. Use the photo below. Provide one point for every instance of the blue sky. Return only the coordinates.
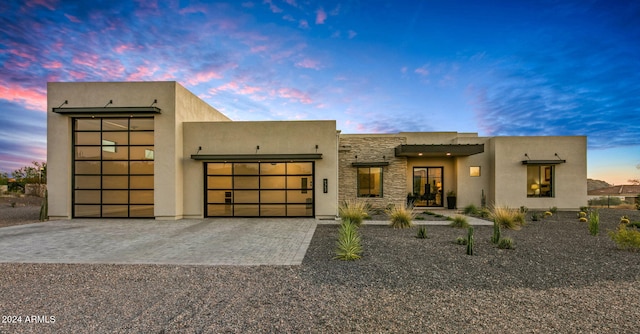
(492, 67)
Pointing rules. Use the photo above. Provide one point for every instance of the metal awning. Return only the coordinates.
(543, 162)
(88, 111)
(370, 164)
(257, 157)
(438, 150)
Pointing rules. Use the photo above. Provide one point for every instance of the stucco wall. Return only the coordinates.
(511, 174)
(273, 137)
(470, 188)
(372, 148)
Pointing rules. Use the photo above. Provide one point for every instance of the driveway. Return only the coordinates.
(237, 241)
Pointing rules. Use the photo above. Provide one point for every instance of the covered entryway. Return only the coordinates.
(259, 189)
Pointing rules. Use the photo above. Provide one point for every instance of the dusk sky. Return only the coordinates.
(491, 67)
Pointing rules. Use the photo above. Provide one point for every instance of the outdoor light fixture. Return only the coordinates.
(420, 154)
(63, 103)
(108, 103)
(154, 102)
(448, 153)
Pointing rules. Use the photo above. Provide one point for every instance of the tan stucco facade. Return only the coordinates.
(262, 139)
(186, 129)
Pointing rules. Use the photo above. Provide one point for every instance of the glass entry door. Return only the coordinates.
(427, 186)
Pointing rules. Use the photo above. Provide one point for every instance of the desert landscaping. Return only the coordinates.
(558, 278)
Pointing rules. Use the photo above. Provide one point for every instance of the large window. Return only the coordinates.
(540, 181)
(266, 189)
(113, 167)
(370, 182)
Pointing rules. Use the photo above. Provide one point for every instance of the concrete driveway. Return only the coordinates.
(237, 241)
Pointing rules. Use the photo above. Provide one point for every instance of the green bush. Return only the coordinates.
(584, 208)
(401, 216)
(484, 213)
(354, 211)
(594, 222)
(524, 209)
(470, 210)
(459, 221)
(461, 240)
(553, 210)
(627, 239)
(535, 216)
(604, 201)
(348, 247)
(634, 224)
(582, 214)
(505, 243)
(422, 232)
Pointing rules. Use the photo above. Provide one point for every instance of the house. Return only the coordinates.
(155, 150)
(626, 193)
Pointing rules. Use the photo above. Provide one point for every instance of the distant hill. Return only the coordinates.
(596, 184)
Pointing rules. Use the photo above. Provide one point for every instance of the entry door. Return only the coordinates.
(427, 186)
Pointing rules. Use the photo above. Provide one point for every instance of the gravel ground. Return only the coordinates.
(559, 278)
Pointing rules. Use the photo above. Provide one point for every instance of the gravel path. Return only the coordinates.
(558, 279)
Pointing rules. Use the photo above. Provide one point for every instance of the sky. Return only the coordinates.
(497, 68)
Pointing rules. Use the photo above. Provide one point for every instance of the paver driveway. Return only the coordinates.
(238, 241)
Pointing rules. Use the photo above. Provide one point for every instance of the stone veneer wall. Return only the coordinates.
(372, 148)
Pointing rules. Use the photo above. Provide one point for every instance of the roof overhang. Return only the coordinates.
(543, 162)
(438, 150)
(257, 157)
(370, 164)
(90, 111)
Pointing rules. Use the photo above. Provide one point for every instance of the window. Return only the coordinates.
(540, 181)
(370, 182)
(474, 171)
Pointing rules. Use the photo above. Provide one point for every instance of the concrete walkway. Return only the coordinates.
(235, 241)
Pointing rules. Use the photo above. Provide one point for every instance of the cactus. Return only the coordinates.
(496, 233)
(470, 241)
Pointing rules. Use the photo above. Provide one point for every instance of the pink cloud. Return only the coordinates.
(72, 18)
(294, 94)
(22, 54)
(308, 63)
(321, 16)
(52, 65)
(143, 72)
(272, 7)
(49, 4)
(33, 99)
(423, 70)
(123, 48)
(259, 48)
(291, 3)
(303, 24)
(199, 78)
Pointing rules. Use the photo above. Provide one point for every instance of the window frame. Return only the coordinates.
(359, 186)
(539, 178)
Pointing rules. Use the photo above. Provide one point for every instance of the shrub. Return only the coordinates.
(496, 233)
(401, 216)
(348, 245)
(470, 241)
(524, 209)
(419, 218)
(535, 216)
(624, 220)
(627, 239)
(461, 240)
(484, 213)
(505, 243)
(605, 201)
(584, 208)
(553, 210)
(583, 219)
(638, 202)
(582, 214)
(354, 211)
(594, 222)
(548, 214)
(422, 232)
(634, 224)
(44, 208)
(470, 210)
(508, 218)
(459, 221)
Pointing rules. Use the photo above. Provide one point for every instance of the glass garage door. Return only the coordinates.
(259, 189)
(113, 167)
